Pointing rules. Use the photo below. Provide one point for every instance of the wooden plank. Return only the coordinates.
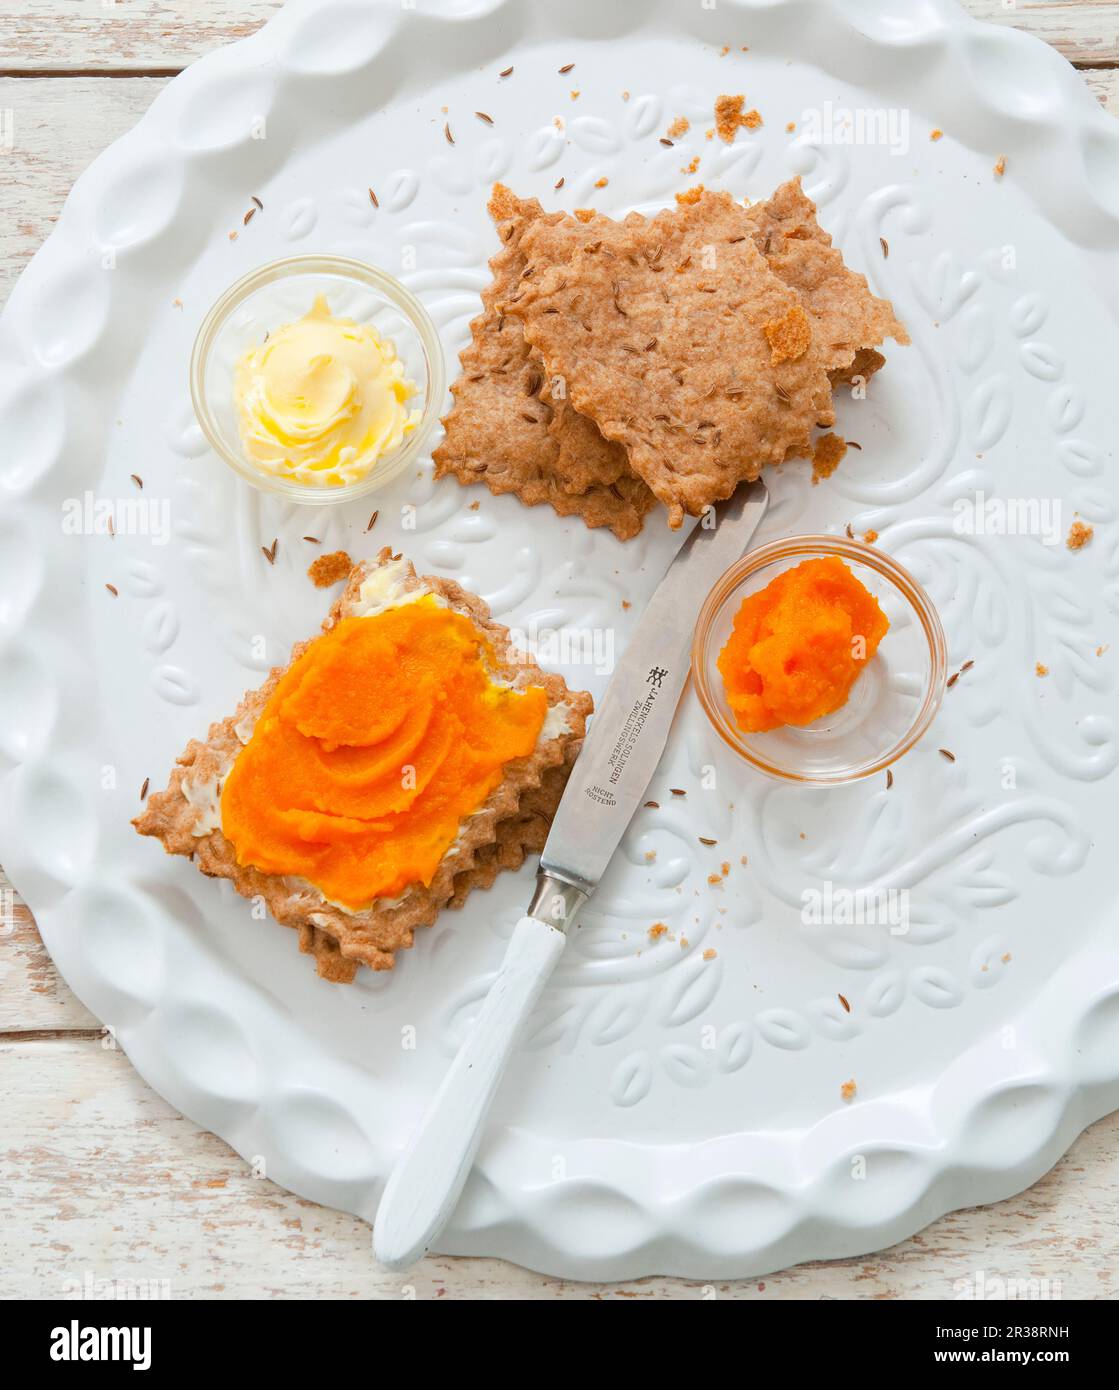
(102, 1179)
(139, 36)
(1085, 31)
(1104, 82)
(58, 126)
(112, 36)
(33, 996)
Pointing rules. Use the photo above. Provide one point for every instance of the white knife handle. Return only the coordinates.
(429, 1176)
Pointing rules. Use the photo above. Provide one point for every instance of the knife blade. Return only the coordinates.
(619, 757)
(629, 730)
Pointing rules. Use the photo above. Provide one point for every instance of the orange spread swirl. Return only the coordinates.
(799, 644)
(374, 747)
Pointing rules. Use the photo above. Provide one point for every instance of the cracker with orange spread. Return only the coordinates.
(507, 429)
(663, 331)
(402, 758)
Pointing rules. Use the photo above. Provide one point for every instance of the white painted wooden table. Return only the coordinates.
(102, 1180)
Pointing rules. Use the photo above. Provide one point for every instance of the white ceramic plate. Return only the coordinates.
(668, 1112)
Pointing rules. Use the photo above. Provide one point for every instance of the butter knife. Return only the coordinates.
(627, 736)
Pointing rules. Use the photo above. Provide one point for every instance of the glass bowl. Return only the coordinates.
(278, 294)
(891, 704)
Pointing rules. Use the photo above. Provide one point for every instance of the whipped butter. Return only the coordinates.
(322, 400)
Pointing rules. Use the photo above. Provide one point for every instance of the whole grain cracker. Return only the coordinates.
(658, 327)
(506, 430)
(797, 249)
(849, 321)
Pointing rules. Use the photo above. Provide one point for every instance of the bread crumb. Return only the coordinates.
(680, 126)
(650, 856)
(1006, 958)
(729, 117)
(690, 195)
(870, 536)
(1100, 650)
(1080, 533)
(625, 96)
(936, 134)
(710, 953)
(657, 930)
(176, 304)
(848, 1090)
(827, 455)
(1040, 670)
(602, 182)
(790, 127)
(474, 506)
(575, 95)
(684, 943)
(691, 166)
(1000, 166)
(788, 337)
(329, 569)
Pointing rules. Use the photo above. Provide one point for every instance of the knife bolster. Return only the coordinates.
(556, 900)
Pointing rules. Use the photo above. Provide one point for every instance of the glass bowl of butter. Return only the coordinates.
(318, 378)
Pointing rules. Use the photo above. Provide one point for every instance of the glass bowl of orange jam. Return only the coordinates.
(877, 716)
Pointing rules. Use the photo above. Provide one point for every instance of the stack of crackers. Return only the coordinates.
(513, 822)
(666, 359)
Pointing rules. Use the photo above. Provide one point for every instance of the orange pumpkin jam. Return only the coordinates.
(375, 745)
(799, 644)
